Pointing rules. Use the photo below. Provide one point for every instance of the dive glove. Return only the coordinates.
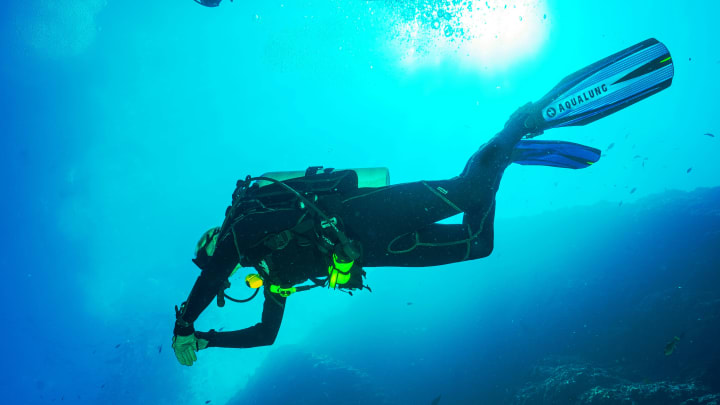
(185, 348)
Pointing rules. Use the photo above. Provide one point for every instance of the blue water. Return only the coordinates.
(125, 125)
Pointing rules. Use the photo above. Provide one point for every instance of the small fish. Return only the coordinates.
(689, 170)
(117, 345)
(159, 348)
(221, 329)
(633, 190)
(436, 401)
(102, 386)
(671, 345)
(409, 303)
(710, 135)
(208, 401)
(611, 146)
(620, 204)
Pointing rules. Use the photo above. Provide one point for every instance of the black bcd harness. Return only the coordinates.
(314, 228)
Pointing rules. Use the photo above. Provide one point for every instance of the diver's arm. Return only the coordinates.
(248, 232)
(215, 271)
(205, 289)
(261, 334)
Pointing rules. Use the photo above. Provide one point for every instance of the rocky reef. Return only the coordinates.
(294, 375)
(572, 382)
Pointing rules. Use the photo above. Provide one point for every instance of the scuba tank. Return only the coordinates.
(373, 177)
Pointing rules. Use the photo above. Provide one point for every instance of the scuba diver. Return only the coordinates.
(323, 227)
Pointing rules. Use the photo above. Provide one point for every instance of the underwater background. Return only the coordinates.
(125, 125)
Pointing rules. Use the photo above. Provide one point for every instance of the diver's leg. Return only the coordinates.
(396, 224)
(433, 245)
(486, 166)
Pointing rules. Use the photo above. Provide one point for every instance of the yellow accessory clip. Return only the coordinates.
(284, 292)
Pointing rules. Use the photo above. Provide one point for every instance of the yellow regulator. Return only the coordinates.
(253, 281)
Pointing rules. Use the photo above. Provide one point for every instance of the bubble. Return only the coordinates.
(488, 29)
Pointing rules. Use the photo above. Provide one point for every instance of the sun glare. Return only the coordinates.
(491, 35)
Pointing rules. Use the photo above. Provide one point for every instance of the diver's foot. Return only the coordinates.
(524, 121)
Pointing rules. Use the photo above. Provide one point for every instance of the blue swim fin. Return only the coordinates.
(605, 87)
(566, 155)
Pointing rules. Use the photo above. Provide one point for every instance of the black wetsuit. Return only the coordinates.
(395, 225)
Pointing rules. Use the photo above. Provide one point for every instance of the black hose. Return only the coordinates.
(242, 301)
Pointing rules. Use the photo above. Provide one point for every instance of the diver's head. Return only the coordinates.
(207, 242)
(205, 247)
(208, 3)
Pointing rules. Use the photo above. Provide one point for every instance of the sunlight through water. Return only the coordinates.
(487, 34)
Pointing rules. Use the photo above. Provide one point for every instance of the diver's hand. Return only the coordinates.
(185, 348)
